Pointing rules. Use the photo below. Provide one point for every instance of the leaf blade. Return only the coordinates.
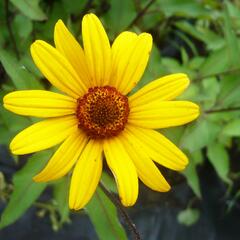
(30, 8)
(25, 190)
(21, 78)
(219, 158)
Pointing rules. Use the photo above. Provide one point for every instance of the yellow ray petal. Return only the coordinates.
(86, 175)
(163, 89)
(71, 49)
(97, 49)
(64, 158)
(158, 147)
(163, 114)
(123, 44)
(55, 67)
(130, 54)
(43, 135)
(146, 169)
(123, 170)
(39, 103)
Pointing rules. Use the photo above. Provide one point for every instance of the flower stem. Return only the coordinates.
(124, 214)
(223, 110)
(140, 14)
(234, 70)
(9, 27)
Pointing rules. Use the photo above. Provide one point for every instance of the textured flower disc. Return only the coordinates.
(102, 112)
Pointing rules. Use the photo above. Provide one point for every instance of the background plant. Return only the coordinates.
(200, 38)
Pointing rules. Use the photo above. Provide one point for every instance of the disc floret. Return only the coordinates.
(102, 112)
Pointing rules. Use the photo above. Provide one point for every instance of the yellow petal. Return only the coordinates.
(130, 54)
(67, 45)
(64, 158)
(39, 103)
(146, 169)
(43, 135)
(97, 50)
(86, 175)
(55, 67)
(158, 147)
(163, 89)
(163, 114)
(123, 44)
(123, 170)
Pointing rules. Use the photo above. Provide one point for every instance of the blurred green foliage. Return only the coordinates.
(200, 38)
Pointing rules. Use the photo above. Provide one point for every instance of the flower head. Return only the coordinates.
(96, 116)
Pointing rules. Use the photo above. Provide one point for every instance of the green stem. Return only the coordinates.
(9, 27)
(46, 206)
(118, 205)
(223, 110)
(217, 74)
(140, 14)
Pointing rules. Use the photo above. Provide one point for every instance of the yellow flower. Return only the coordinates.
(97, 117)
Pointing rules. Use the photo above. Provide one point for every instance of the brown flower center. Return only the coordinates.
(102, 112)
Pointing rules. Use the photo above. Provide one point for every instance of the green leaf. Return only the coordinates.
(103, 215)
(10, 121)
(199, 135)
(197, 157)
(196, 62)
(60, 193)
(211, 39)
(45, 31)
(185, 8)
(232, 128)
(191, 93)
(22, 26)
(230, 90)
(231, 39)
(30, 8)
(188, 216)
(191, 172)
(184, 56)
(13, 122)
(234, 12)
(4, 33)
(174, 134)
(74, 6)
(211, 90)
(192, 178)
(171, 65)
(189, 43)
(152, 19)
(25, 191)
(4, 135)
(219, 158)
(109, 181)
(21, 77)
(120, 15)
(209, 66)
